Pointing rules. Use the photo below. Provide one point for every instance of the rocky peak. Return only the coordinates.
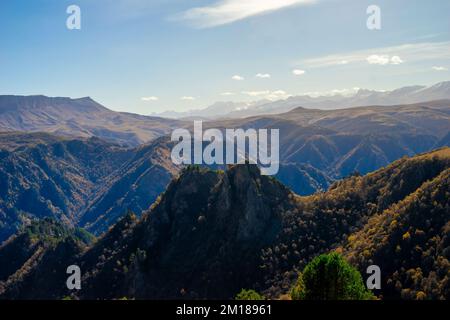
(207, 223)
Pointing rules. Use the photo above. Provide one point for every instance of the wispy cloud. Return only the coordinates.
(263, 76)
(268, 94)
(255, 93)
(187, 98)
(298, 72)
(342, 92)
(229, 11)
(436, 68)
(237, 78)
(412, 52)
(151, 98)
(227, 94)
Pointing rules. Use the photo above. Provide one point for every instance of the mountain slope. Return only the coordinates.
(303, 179)
(42, 248)
(135, 186)
(340, 142)
(324, 221)
(213, 233)
(45, 176)
(410, 240)
(430, 118)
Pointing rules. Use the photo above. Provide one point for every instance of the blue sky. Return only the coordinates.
(149, 56)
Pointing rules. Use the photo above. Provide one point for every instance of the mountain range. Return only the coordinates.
(212, 233)
(91, 183)
(81, 184)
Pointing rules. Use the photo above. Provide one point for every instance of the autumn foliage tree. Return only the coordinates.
(249, 295)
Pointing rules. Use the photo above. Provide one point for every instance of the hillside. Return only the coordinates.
(42, 248)
(135, 186)
(430, 118)
(79, 118)
(76, 181)
(46, 176)
(410, 240)
(92, 183)
(289, 230)
(213, 233)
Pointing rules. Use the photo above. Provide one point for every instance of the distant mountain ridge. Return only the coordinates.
(361, 98)
(364, 139)
(79, 118)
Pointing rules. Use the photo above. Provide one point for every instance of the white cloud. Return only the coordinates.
(263, 76)
(151, 98)
(376, 59)
(343, 62)
(227, 94)
(256, 93)
(384, 59)
(343, 92)
(228, 11)
(412, 52)
(237, 78)
(269, 95)
(436, 68)
(298, 72)
(187, 98)
(278, 95)
(396, 60)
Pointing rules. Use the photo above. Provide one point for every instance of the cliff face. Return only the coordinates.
(203, 238)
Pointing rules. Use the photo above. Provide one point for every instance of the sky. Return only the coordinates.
(150, 56)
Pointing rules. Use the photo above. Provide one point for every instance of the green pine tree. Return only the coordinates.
(330, 277)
